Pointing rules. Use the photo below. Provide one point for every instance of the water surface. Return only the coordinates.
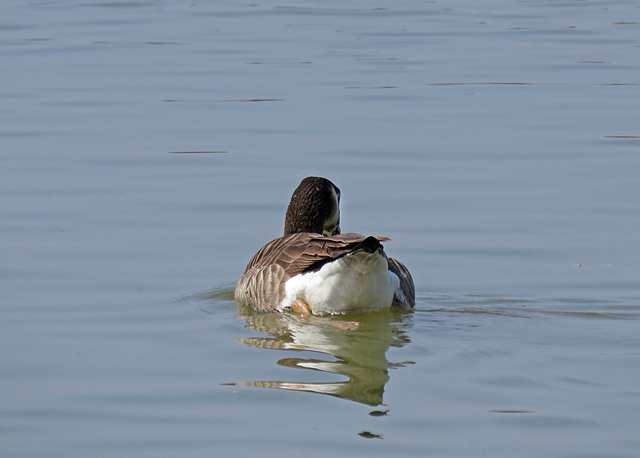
(150, 148)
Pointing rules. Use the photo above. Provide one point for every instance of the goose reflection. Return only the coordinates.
(358, 349)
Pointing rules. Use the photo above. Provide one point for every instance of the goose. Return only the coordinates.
(314, 269)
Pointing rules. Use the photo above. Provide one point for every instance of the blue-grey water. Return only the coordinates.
(149, 148)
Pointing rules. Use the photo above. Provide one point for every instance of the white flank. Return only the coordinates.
(357, 281)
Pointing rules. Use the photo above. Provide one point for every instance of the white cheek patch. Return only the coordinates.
(333, 221)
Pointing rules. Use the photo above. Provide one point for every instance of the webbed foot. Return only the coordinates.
(301, 308)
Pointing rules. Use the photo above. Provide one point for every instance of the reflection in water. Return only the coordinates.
(359, 353)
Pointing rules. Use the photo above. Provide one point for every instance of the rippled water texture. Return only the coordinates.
(149, 148)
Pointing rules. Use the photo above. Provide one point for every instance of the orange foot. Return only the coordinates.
(345, 325)
(301, 308)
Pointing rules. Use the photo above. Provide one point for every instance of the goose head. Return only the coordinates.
(314, 207)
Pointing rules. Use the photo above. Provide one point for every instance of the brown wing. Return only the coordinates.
(262, 284)
(406, 295)
(262, 287)
(304, 252)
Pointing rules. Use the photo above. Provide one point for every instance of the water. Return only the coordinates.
(497, 144)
